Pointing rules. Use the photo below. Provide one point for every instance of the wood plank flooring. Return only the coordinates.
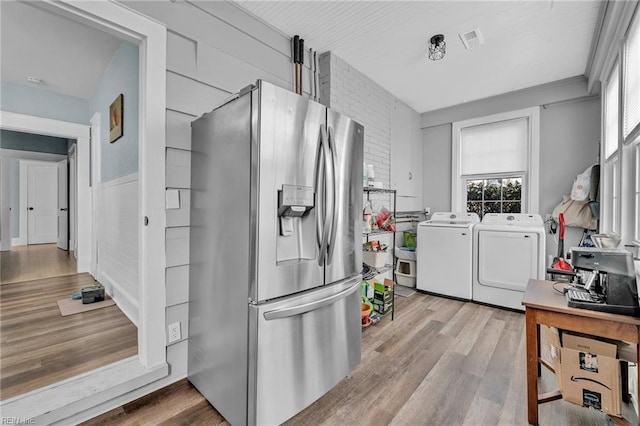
(24, 263)
(40, 347)
(441, 362)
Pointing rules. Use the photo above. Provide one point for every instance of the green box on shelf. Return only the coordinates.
(387, 287)
(382, 309)
(381, 297)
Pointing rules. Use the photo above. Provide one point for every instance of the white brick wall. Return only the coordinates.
(348, 91)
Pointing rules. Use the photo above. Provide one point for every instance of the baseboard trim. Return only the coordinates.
(18, 241)
(127, 304)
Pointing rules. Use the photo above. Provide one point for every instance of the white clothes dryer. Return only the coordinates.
(445, 253)
(509, 249)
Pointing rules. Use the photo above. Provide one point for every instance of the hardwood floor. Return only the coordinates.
(40, 347)
(24, 263)
(441, 362)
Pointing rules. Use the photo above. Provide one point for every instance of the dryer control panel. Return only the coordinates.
(520, 219)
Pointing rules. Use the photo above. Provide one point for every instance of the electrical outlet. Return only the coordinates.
(427, 210)
(174, 332)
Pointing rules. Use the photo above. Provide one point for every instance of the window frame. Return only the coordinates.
(620, 174)
(530, 176)
(484, 177)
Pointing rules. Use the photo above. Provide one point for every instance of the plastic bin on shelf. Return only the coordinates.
(377, 259)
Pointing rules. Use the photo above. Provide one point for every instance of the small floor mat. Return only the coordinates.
(75, 306)
(403, 291)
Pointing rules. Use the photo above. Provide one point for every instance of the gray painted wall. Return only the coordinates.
(436, 172)
(30, 142)
(43, 103)
(119, 158)
(569, 135)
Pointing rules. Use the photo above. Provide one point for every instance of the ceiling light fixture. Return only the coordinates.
(34, 80)
(437, 47)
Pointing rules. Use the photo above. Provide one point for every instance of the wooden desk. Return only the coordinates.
(544, 305)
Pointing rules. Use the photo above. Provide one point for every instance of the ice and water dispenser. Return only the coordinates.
(297, 225)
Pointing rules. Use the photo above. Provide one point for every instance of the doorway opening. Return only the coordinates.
(106, 385)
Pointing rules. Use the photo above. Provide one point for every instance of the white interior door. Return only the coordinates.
(63, 207)
(42, 205)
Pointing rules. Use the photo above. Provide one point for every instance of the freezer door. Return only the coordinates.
(300, 348)
(288, 176)
(346, 141)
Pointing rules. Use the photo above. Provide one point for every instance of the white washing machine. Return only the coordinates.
(509, 249)
(445, 253)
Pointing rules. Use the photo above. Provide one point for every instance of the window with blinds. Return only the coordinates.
(621, 140)
(494, 148)
(495, 163)
(636, 235)
(611, 97)
(631, 94)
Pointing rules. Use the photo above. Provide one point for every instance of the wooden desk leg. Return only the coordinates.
(539, 351)
(532, 329)
(638, 368)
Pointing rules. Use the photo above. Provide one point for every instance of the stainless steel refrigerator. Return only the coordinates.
(275, 253)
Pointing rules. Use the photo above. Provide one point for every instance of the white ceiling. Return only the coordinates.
(68, 57)
(527, 43)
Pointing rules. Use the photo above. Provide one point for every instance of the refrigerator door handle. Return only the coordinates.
(312, 306)
(332, 184)
(323, 167)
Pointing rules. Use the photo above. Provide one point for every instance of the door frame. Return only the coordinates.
(95, 188)
(72, 199)
(110, 386)
(63, 190)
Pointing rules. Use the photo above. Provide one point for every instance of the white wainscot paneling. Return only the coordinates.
(179, 130)
(180, 217)
(209, 98)
(189, 20)
(118, 242)
(179, 313)
(177, 358)
(222, 70)
(178, 168)
(177, 244)
(182, 94)
(177, 282)
(181, 54)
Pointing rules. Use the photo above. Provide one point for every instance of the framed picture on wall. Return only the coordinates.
(116, 119)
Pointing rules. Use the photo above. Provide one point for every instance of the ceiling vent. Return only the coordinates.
(472, 39)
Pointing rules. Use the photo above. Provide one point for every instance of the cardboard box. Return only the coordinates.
(552, 335)
(590, 374)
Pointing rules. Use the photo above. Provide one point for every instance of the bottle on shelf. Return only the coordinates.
(367, 219)
(371, 176)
